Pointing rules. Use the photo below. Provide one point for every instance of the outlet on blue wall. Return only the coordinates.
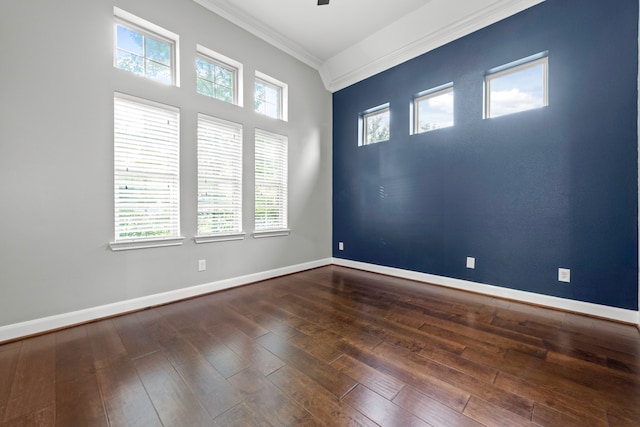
(524, 193)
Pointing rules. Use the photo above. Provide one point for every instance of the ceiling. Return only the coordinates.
(349, 40)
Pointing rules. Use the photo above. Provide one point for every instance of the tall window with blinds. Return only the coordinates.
(146, 170)
(219, 177)
(271, 182)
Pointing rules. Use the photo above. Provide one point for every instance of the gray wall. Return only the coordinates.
(56, 157)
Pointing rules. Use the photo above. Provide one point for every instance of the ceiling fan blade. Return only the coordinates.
(321, 2)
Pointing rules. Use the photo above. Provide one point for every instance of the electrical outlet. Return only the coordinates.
(471, 262)
(341, 246)
(564, 275)
(202, 265)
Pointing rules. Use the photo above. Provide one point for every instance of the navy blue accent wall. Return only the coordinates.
(524, 194)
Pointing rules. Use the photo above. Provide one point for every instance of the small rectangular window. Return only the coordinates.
(219, 176)
(271, 193)
(145, 49)
(218, 76)
(433, 109)
(375, 125)
(270, 97)
(517, 86)
(146, 169)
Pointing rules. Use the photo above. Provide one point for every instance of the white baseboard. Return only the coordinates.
(38, 326)
(603, 311)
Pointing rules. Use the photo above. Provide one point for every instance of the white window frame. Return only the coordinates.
(236, 67)
(278, 153)
(283, 89)
(423, 96)
(514, 67)
(148, 29)
(219, 145)
(142, 138)
(365, 116)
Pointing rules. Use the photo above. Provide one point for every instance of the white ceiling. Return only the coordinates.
(349, 40)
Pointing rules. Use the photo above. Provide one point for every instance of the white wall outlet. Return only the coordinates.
(341, 246)
(202, 265)
(471, 262)
(564, 275)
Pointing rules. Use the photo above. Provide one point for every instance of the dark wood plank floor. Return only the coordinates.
(331, 346)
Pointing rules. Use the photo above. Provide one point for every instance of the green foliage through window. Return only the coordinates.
(215, 80)
(268, 99)
(376, 126)
(143, 54)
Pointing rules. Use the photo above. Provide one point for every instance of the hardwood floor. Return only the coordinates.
(331, 346)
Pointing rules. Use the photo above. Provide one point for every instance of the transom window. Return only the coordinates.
(215, 80)
(433, 109)
(518, 86)
(270, 97)
(375, 125)
(141, 51)
(218, 76)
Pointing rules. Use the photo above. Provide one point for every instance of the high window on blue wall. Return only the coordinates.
(432, 109)
(518, 86)
(374, 125)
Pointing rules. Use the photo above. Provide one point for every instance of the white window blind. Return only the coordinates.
(271, 181)
(146, 169)
(219, 176)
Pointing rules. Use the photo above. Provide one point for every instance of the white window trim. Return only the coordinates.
(284, 94)
(132, 244)
(148, 242)
(222, 237)
(210, 55)
(271, 233)
(362, 123)
(422, 96)
(514, 67)
(128, 19)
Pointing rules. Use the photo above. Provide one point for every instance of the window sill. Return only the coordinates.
(211, 238)
(271, 233)
(127, 245)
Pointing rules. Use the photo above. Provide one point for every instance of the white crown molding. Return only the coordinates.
(51, 323)
(236, 16)
(596, 310)
(337, 76)
(366, 58)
